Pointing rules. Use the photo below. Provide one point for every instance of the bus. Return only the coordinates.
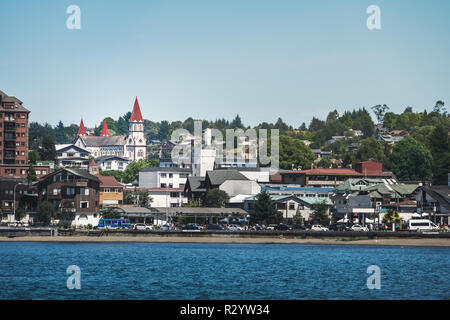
(114, 224)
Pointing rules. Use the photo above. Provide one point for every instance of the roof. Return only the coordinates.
(96, 141)
(92, 163)
(308, 200)
(195, 183)
(391, 191)
(61, 147)
(335, 172)
(75, 171)
(108, 181)
(81, 129)
(155, 189)
(439, 193)
(17, 103)
(103, 158)
(217, 177)
(354, 184)
(105, 131)
(312, 189)
(136, 116)
(200, 210)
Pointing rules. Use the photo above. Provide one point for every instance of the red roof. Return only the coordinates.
(108, 181)
(81, 129)
(136, 116)
(105, 132)
(334, 171)
(93, 164)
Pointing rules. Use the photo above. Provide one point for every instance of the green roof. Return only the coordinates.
(309, 200)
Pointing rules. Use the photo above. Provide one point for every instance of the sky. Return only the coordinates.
(209, 59)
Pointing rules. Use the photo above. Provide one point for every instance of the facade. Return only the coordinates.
(132, 146)
(163, 177)
(25, 198)
(165, 197)
(435, 201)
(72, 191)
(70, 155)
(107, 163)
(21, 171)
(334, 177)
(111, 191)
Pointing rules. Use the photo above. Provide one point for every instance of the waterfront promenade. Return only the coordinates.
(435, 242)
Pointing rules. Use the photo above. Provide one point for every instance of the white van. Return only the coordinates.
(421, 225)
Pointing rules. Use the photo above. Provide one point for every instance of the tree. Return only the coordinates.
(440, 150)
(265, 210)
(371, 150)
(163, 130)
(33, 156)
(20, 214)
(31, 174)
(216, 198)
(379, 111)
(237, 122)
(391, 217)
(131, 173)
(45, 212)
(320, 213)
(294, 153)
(411, 160)
(137, 197)
(48, 151)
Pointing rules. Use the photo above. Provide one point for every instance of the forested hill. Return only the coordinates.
(423, 154)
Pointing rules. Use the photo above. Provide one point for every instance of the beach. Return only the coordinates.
(241, 240)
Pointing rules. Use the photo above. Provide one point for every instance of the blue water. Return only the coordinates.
(221, 271)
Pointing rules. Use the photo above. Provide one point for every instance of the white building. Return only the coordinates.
(70, 155)
(163, 177)
(107, 163)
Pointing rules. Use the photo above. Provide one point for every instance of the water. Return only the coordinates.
(221, 271)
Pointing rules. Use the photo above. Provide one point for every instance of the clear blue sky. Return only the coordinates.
(207, 59)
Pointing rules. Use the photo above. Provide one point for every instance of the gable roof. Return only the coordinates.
(108, 181)
(75, 171)
(105, 131)
(96, 141)
(62, 147)
(194, 183)
(439, 193)
(217, 177)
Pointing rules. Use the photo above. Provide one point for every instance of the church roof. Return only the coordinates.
(82, 130)
(136, 116)
(97, 141)
(105, 132)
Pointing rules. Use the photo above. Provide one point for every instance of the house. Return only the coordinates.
(72, 191)
(334, 177)
(390, 139)
(335, 138)
(163, 177)
(107, 163)
(165, 197)
(290, 205)
(435, 201)
(322, 154)
(25, 198)
(70, 155)
(111, 191)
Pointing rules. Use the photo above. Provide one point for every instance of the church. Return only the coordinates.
(132, 146)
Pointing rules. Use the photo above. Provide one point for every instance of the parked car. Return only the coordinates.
(283, 227)
(166, 227)
(358, 227)
(192, 226)
(271, 227)
(142, 226)
(318, 227)
(256, 227)
(338, 227)
(234, 227)
(298, 227)
(214, 227)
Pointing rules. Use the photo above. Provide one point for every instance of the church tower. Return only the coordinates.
(136, 148)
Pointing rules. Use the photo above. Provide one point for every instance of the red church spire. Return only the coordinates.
(81, 129)
(136, 116)
(105, 132)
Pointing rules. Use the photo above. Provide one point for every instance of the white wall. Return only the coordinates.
(235, 187)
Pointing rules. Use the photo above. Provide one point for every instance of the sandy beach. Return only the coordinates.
(242, 240)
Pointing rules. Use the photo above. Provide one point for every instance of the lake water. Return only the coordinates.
(221, 271)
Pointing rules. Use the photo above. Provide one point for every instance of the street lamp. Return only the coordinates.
(14, 203)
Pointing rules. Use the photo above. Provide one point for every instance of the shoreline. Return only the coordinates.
(233, 240)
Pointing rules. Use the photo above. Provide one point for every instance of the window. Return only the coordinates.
(118, 190)
(84, 191)
(56, 191)
(84, 204)
(163, 185)
(170, 175)
(70, 191)
(106, 190)
(163, 175)
(291, 206)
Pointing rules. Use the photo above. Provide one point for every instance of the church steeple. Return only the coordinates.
(81, 129)
(105, 132)
(136, 116)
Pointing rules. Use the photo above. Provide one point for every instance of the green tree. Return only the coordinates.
(163, 130)
(31, 174)
(265, 210)
(33, 156)
(320, 213)
(131, 173)
(379, 111)
(294, 153)
(391, 217)
(411, 160)
(440, 150)
(137, 197)
(20, 214)
(45, 212)
(216, 198)
(48, 151)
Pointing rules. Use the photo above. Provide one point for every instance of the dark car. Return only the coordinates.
(192, 226)
(283, 226)
(299, 227)
(338, 227)
(214, 227)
